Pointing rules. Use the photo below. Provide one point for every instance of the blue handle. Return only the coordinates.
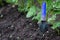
(43, 11)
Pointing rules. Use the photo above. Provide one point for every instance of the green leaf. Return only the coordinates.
(21, 6)
(58, 12)
(12, 1)
(49, 4)
(31, 12)
(28, 4)
(37, 17)
(52, 19)
(20, 9)
(55, 25)
(40, 2)
(57, 4)
(24, 5)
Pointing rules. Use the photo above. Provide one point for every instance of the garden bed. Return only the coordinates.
(15, 26)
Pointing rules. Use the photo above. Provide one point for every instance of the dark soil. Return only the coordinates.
(15, 26)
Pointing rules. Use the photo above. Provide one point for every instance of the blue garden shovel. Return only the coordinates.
(43, 25)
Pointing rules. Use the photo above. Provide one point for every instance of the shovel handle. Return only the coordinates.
(43, 16)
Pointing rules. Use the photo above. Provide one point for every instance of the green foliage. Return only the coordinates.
(57, 4)
(51, 19)
(37, 17)
(31, 12)
(49, 5)
(35, 13)
(29, 3)
(56, 25)
(24, 5)
(54, 13)
(21, 6)
(12, 1)
(40, 2)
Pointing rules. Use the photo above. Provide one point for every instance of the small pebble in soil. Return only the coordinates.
(31, 36)
(30, 23)
(13, 6)
(17, 37)
(1, 15)
(47, 31)
(10, 36)
(43, 35)
(12, 26)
